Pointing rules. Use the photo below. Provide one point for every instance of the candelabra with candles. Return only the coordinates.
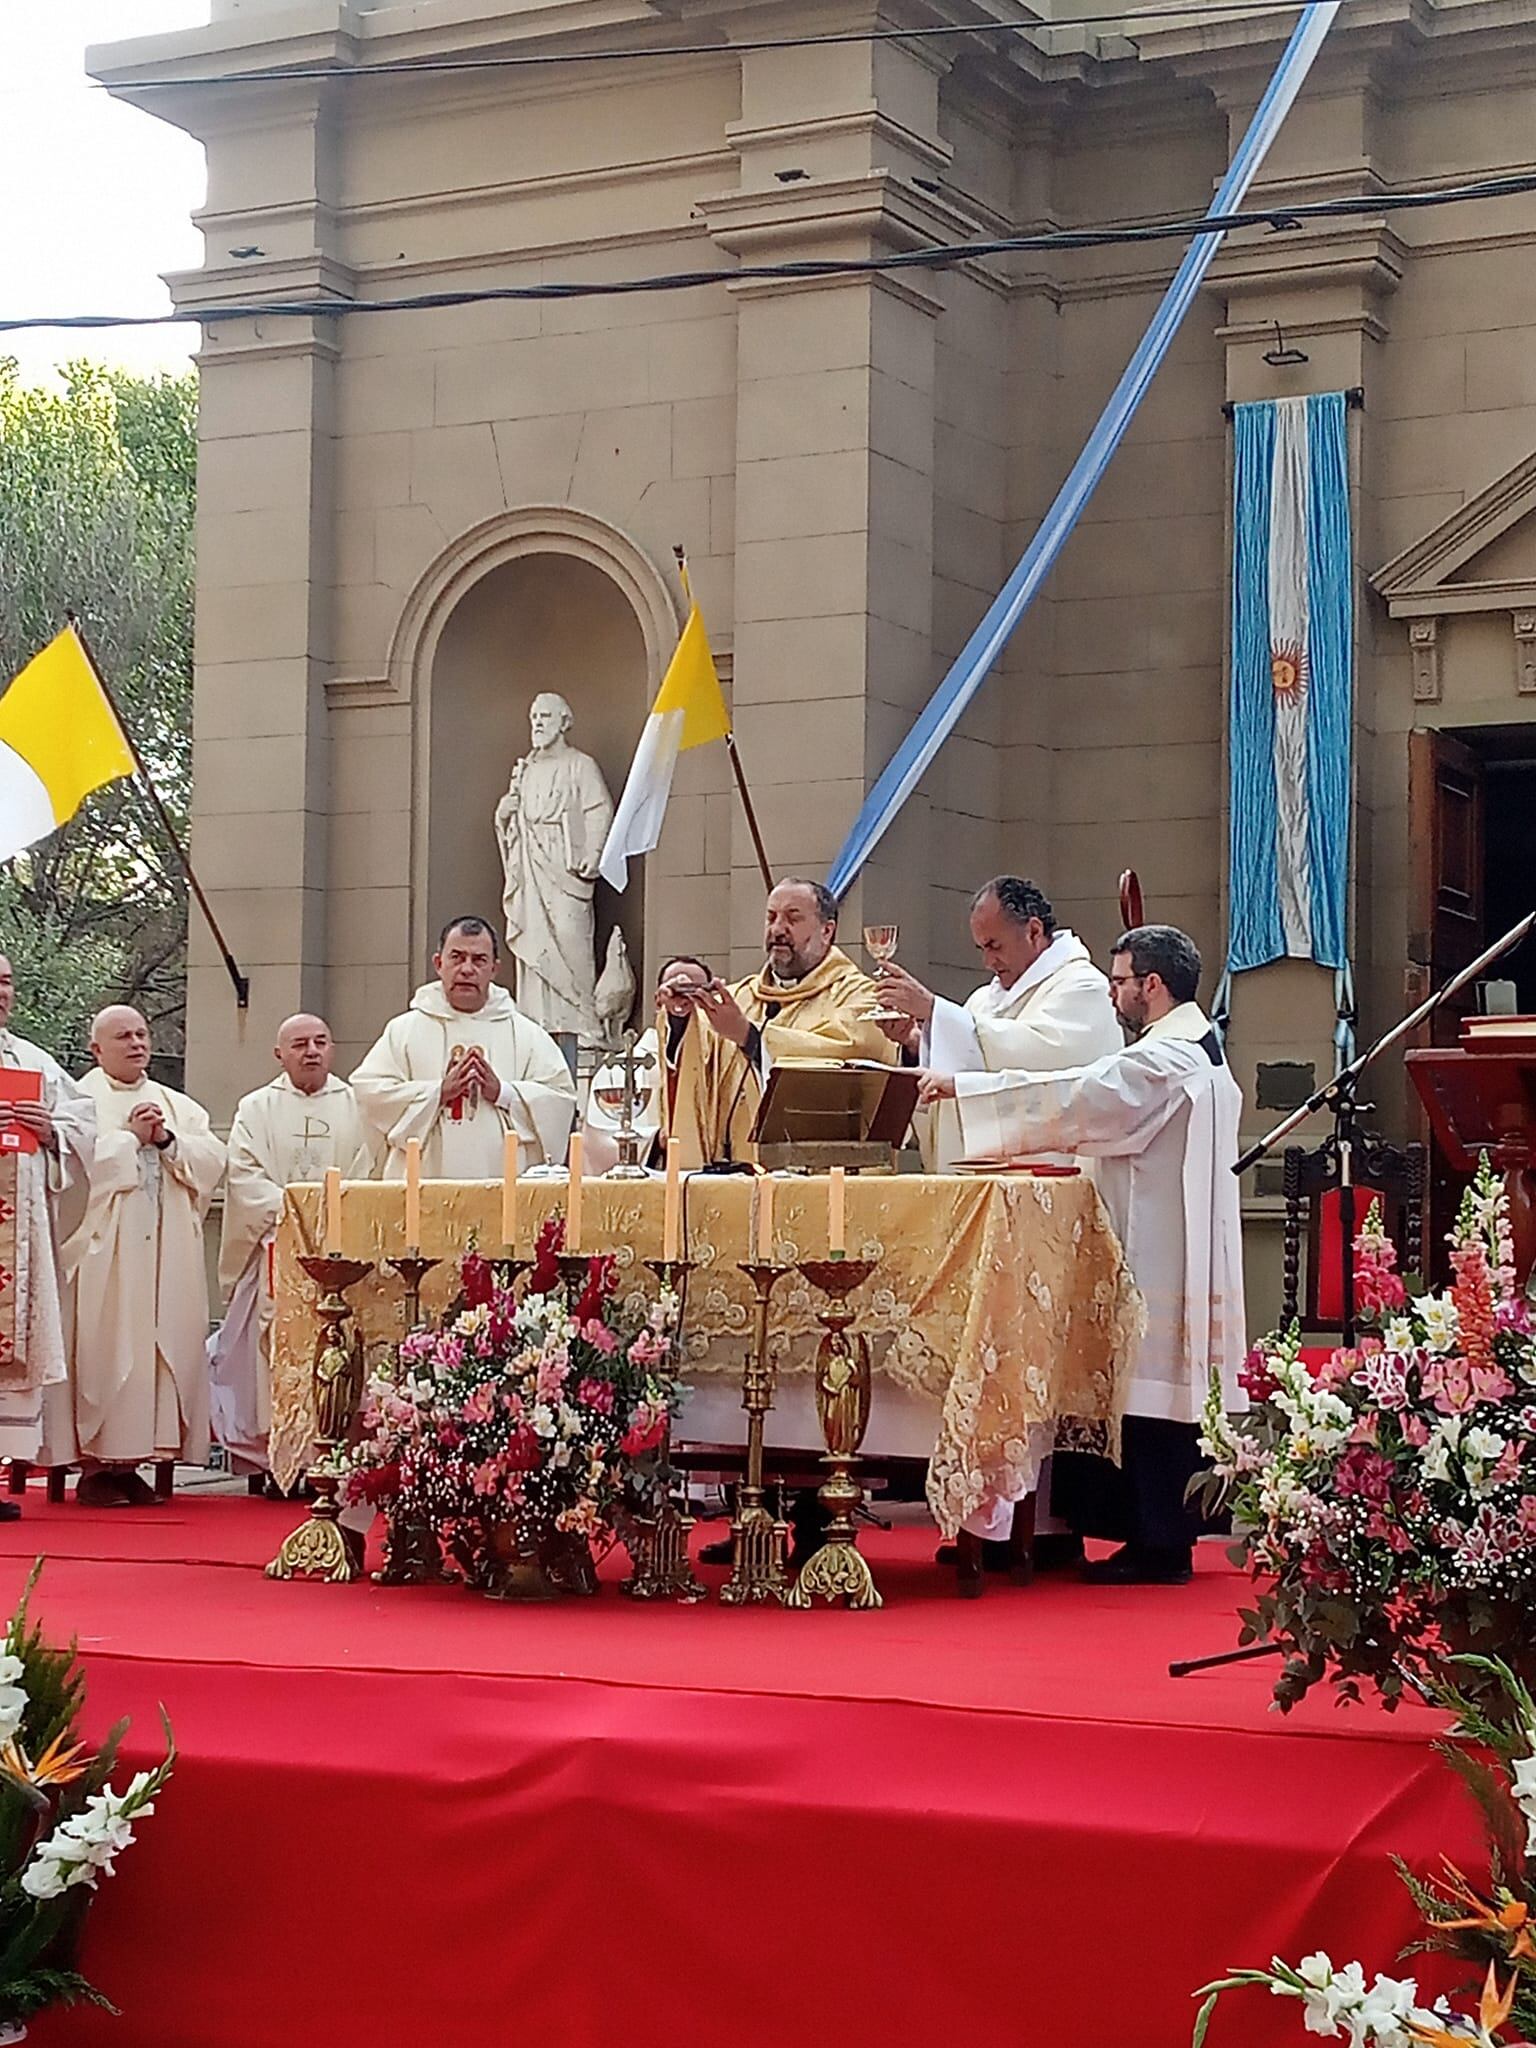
(757, 1537)
(322, 1547)
(839, 1570)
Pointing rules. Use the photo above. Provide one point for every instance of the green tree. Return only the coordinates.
(97, 485)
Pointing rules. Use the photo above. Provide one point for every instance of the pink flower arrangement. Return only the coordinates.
(526, 1410)
(1385, 1498)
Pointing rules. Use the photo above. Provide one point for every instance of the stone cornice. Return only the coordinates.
(1416, 583)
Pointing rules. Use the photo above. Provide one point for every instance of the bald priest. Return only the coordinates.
(807, 1002)
(296, 1128)
(462, 1067)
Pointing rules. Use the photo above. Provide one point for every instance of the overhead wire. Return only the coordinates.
(938, 256)
(408, 67)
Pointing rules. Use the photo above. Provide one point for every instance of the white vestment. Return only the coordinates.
(399, 1089)
(50, 1199)
(137, 1288)
(279, 1135)
(1160, 1122)
(1057, 1014)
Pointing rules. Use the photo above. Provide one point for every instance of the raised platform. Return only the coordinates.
(415, 1816)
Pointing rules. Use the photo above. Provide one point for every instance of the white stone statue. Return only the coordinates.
(550, 827)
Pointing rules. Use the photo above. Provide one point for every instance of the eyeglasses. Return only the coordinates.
(1121, 980)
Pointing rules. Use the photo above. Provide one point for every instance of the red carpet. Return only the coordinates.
(417, 1817)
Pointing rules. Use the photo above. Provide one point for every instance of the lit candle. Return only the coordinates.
(413, 1194)
(765, 1224)
(836, 1227)
(509, 1191)
(333, 1212)
(573, 1197)
(672, 1207)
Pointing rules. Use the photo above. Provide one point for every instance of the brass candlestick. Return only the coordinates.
(412, 1268)
(838, 1571)
(509, 1269)
(757, 1538)
(663, 1569)
(320, 1547)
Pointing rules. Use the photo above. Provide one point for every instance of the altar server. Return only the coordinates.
(809, 1002)
(49, 1181)
(137, 1306)
(672, 1075)
(1045, 1008)
(462, 1067)
(293, 1129)
(1160, 1121)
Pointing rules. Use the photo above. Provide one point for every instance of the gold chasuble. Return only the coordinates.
(820, 1017)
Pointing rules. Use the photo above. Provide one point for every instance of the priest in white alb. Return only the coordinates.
(462, 1067)
(1159, 1120)
(1045, 1007)
(137, 1303)
(47, 1139)
(294, 1129)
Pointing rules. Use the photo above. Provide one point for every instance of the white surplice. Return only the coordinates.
(50, 1200)
(399, 1088)
(1160, 1122)
(137, 1288)
(280, 1135)
(1057, 1014)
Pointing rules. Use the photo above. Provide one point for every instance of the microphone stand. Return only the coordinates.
(1340, 1097)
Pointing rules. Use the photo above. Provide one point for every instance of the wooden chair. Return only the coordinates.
(1396, 1174)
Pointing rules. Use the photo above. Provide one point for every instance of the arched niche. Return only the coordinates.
(544, 599)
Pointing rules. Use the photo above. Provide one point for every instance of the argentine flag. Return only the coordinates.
(1292, 682)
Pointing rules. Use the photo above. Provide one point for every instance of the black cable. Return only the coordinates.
(940, 256)
(437, 66)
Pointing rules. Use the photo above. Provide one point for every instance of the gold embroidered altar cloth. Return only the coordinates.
(1005, 1299)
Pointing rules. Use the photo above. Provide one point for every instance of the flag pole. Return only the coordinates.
(730, 747)
(241, 982)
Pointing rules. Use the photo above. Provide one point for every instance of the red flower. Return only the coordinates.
(601, 1273)
(522, 1452)
(1365, 1472)
(477, 1280)
(546, 1271)
(1256, 1379)
(375, 1483)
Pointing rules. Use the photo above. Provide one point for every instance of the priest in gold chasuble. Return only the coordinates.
(807, 1002)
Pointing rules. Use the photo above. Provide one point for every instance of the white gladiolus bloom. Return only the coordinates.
(1522, 1772)
(82, 1848)
(13, 1698)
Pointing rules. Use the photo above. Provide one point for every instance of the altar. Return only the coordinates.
(1000, 1305)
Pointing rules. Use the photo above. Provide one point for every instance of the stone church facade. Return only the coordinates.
(410, 522)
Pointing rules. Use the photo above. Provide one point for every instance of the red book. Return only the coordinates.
(19, 1084)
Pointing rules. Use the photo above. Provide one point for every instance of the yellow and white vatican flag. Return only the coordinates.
(689, 712)
(59, 740)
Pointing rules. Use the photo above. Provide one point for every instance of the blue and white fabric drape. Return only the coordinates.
(1292, 685)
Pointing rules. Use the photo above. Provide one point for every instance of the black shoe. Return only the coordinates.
(716, 1553)
(1058, 1551)
(1130, 1566)
(996, 1554)
(10, 1510)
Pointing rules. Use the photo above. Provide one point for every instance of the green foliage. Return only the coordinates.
(97, 484)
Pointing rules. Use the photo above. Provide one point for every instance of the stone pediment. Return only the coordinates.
(1480, 559)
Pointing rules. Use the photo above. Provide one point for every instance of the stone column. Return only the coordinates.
(834, 462)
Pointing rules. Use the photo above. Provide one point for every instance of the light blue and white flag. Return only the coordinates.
(1292, 683)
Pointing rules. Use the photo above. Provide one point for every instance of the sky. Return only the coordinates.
(98, 195)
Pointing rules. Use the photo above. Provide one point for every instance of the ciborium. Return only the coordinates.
(838, 1570)
(320, 1547)
(757, 1537)
(663, 1569)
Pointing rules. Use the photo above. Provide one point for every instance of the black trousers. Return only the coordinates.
(1141, 1502)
